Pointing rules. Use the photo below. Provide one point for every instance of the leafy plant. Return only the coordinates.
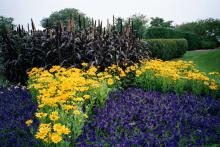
(94, 45)
(136, 117)
(16, 107)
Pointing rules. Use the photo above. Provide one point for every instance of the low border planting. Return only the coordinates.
(136, 117)
(16, 113)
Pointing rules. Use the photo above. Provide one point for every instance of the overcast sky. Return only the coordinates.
(177, 10)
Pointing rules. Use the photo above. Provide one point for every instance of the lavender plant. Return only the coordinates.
(16, 107)
(136, 117)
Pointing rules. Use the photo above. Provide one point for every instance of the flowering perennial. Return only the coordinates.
(136, 117)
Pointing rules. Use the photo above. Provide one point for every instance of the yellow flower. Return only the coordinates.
(41, 114)
(213, 73)
(40, 135)
(86, 96)
(54, 116)
(79, 99)
(133, 68)
(44, 129)
(56, 138)
(86, 116)
(122, 74)
(29, 122)
(65, 130)
(57, 127)
(117, 78)
(84, 64)
(206, 83)
(110, 81)
(138, 73)
(76, 112)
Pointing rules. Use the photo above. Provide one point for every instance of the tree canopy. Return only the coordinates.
(159, 22)
(64, 15)
(6, 24)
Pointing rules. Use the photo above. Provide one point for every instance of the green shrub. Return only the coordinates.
(168, 33)
(208, 44)
(167, 49)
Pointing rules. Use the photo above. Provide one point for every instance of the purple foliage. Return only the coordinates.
(153, 118)
(16, 106)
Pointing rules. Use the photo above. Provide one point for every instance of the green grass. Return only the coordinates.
(205, 60)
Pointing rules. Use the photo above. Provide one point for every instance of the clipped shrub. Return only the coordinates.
(169, 33)
(93, 45)
(136, 117)
(16, 107)
(167, 49)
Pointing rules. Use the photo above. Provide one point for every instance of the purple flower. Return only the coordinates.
(16, 106)
(153, 118)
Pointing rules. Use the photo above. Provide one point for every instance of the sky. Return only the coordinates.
(179, 11)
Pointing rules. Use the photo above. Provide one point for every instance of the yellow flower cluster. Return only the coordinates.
(176, 70)
(61, 94)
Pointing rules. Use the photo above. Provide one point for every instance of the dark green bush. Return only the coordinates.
(167, 49)
(169, 33)
(208, 44)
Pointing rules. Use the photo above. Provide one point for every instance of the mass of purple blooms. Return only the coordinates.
(136, 117)
(16, 106)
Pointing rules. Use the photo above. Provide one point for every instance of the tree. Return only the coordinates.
(208, 30)
(6, 24)
(79, 18)
(139, 24)
(159, 22)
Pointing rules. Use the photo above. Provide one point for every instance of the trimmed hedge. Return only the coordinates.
(169, 33)
(167, 49)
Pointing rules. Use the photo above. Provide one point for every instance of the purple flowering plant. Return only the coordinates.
(16, 107)
(136, 117)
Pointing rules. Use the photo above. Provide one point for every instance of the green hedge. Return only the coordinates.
(167, 49)
(169, 33)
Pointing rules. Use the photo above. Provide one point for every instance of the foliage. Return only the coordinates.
(65, 98)
(139, 24)
(64, 16)
(169, 33)
(207, 44)
(207, 29)
(136, 117)
(16, 106)
(6, 24)
(94, 45)
(178, 76)
(167, 49)
(159, 22)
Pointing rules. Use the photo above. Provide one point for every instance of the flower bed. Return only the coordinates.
(16, 106)
(151, 118)
(66, 97)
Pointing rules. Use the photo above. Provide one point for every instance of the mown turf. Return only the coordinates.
(205, 60)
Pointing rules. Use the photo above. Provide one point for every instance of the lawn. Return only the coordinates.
(205, 60)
